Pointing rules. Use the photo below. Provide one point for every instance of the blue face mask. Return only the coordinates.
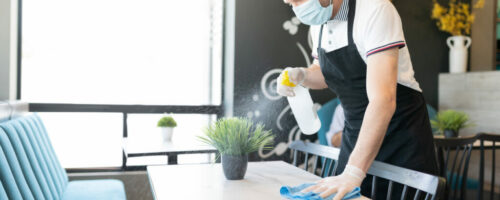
(312, 13)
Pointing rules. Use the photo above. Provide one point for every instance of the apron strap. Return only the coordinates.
(350, 20)
(320, 35)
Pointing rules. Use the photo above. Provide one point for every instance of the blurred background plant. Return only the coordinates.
(167, 121)
(450, 120)
(455, 19)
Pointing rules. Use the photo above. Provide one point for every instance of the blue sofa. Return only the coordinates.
(29, 168)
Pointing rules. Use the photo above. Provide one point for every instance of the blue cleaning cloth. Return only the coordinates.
(294, 193)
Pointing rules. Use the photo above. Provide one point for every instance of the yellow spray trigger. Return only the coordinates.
(286, 80)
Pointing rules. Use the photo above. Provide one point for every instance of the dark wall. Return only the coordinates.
(263, 44)
(426, 43)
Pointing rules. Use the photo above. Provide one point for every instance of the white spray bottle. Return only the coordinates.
(303, 108)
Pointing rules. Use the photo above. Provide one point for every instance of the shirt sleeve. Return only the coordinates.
(383, 30)
(336, 125)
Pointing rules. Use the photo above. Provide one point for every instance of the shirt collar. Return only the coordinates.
(344, 9)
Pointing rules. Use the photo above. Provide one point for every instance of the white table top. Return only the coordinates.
(263, 181)
(148, 147)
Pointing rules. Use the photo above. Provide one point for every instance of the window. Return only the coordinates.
(118, 52)
(121, 52)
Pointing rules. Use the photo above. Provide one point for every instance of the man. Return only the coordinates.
(362, 56)
(334, 134)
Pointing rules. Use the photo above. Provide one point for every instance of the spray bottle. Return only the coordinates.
(302, 107)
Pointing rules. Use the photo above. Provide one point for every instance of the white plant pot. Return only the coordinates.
(458, 53)
(166, 133)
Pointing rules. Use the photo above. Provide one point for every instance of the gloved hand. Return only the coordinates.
(341, 184)
(288, 79)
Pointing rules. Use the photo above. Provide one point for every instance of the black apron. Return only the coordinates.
(408, 142)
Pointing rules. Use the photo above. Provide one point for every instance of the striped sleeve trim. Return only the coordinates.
(399, 44)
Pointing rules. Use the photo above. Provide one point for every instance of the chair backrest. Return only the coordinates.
(431, 185)
(324, 157)
(453, 156)
(483, 146)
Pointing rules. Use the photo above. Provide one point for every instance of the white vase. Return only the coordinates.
(166, 133)
(458, 53)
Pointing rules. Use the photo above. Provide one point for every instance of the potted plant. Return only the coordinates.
(449, 122)
(235, 138)
(167, 125)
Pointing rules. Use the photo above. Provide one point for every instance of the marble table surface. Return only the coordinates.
(263, 181)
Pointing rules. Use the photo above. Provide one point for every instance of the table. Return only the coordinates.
(135, 148)
(263, 181)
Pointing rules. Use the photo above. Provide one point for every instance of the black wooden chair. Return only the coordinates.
(325, 157)
(492, 139)
(424, 184)
(453, 156)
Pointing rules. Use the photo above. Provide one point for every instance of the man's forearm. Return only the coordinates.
(375, 122)
(314, 78)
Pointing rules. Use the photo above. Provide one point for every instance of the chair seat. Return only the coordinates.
(106, 189)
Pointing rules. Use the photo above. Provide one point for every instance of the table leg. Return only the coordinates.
(172, 159)
(124, 160)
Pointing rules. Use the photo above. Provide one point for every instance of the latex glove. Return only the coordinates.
(288, 79)
(341, 184)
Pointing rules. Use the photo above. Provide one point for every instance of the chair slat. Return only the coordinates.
(446, 159)
(481, 169)
(323, 167)
(295, 152)
(465, 171)
(492, 189)
(417, 195)
(374, 187)
(330, 168)
(389, 191)
(427, 196)
(404, 193)
(334, 167)
(457, 178)
(306, 162)
(315, 165)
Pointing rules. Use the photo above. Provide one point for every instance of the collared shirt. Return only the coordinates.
(377, 27)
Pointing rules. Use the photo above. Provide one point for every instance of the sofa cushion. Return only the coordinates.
(105, 189)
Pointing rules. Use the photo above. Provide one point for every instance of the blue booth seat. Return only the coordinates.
(30, 168)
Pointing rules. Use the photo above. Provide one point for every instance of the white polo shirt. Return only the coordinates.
(377, 27)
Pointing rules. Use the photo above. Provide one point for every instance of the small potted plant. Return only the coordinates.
(235, 138)
(449, 122)
(167, 125)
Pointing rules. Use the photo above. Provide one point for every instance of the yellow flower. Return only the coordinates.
(456, 19)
